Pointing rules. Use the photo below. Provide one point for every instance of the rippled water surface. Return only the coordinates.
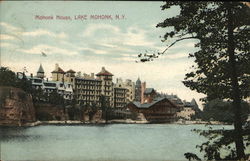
(91, 142)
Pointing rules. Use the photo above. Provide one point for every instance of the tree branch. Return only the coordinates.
(192, 37)
(151, 56)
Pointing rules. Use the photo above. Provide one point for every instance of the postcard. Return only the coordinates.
(123, 81)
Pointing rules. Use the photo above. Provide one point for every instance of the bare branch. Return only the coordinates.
(150, 57)
(192, 37)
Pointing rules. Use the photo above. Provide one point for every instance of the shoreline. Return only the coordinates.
(102, 122)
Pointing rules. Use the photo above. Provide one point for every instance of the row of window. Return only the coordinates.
(87, 87)
(120, 104)
(119, 95)
(88, 82)
(80, 97)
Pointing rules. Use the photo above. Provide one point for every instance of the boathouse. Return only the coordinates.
(155, 109)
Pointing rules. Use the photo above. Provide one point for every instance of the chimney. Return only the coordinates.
(47, 79)
(31, 75)
(143, 87)
(56, 66)
(92, 75)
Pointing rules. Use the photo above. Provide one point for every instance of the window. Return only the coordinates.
(37, 80)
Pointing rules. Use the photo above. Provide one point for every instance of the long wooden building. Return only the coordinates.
(155, 109)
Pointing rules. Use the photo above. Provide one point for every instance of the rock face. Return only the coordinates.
(48, 112)
(16, 107)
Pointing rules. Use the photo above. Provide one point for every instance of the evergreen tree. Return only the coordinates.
(222, 67)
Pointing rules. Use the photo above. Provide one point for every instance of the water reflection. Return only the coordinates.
(100, 142)
(19, 134)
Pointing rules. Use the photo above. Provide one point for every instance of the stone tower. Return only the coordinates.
(138, 90)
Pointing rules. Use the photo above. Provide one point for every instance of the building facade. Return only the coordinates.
(130, 86)
(107, 88)
(120, 97)
(138, 90)
(153, 108)
(57, 84)
(58, 74)
(87, 90)
(157, 109)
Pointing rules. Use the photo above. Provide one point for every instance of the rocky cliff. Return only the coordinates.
(16, 107)
(48, 112)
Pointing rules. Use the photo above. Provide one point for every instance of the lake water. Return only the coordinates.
(91, 142)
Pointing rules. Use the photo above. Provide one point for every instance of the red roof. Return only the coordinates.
(58, 71)
(104, 72)
(70, 71)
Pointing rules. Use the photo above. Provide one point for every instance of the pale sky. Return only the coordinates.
(87, 45)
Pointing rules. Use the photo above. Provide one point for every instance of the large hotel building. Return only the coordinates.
(87, 89)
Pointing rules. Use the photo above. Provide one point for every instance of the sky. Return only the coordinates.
(89, 43)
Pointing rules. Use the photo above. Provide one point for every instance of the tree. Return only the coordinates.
(220, 110)
(105, 107)
(55, 98)
(8, 77)
(222, 67)
(92, 111)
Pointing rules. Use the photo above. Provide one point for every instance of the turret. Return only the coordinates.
(40, 72)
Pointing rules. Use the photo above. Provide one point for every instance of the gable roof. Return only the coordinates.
(149, 90)
(148, 105)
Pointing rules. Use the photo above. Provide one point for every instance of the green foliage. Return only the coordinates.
(74, 113)
(44, 116)
(219, 140)
(222, 60)
(205, 21)
(92, 111)
(9, 78)
(223, 111)
(55, 98)
(38, 95)
(191, 156)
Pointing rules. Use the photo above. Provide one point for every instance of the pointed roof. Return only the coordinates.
(104, 72)
(194, 104)
(40, 70)
(138, 82)
(149, 90)
(59, 70)
(70, 71)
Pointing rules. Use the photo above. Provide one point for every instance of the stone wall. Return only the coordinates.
(16, 107)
